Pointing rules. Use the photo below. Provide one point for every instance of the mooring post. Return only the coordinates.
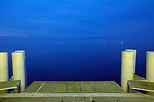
(4, 75)
(150, 66)
(134, 51)
(23, 51)
(127, 68)
(18, 65)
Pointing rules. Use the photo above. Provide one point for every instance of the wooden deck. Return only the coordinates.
(79, 91)
(141, 85)
(74, 87)
(76, 97)
(137, 77)
(6, 85)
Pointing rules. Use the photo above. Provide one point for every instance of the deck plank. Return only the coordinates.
(100, 87)
(60, 87)
(47, 87)
(86, 88)
(34, 87)
(12, 84)
(76, 97)
(141, 85)
(113, 87)
(137, 77)
(73, 88)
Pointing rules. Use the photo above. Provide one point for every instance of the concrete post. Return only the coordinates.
(4, 75)
(134, 51)
(18, 64)
(127, 68)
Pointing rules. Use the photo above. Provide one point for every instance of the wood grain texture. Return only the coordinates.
(137, 77)
(113, 87)
(34, 87)
(86, 88)
(47, 87)
(6, 85)
(76, 97)
(12, 84)
(141, 85)
(74, 87)
(60, 87)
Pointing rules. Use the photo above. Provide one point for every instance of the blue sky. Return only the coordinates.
(106, 19)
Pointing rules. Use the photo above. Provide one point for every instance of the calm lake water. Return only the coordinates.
(75, 59)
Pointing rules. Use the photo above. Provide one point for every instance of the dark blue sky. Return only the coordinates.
(108, 19)
(76, 39)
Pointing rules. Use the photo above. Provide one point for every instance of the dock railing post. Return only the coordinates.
(127, 68)
(23, 51)
(150, 68)
(18, 65)
(4, 75)
(134, 51)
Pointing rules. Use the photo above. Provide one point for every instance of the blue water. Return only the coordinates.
(75, 59)
(76, 39)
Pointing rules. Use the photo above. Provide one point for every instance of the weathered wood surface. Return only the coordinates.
(141, 85)
(13, 84)
(34, 86)
(74, 87)
(137, 77)
(76, 97)
(88, 91)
